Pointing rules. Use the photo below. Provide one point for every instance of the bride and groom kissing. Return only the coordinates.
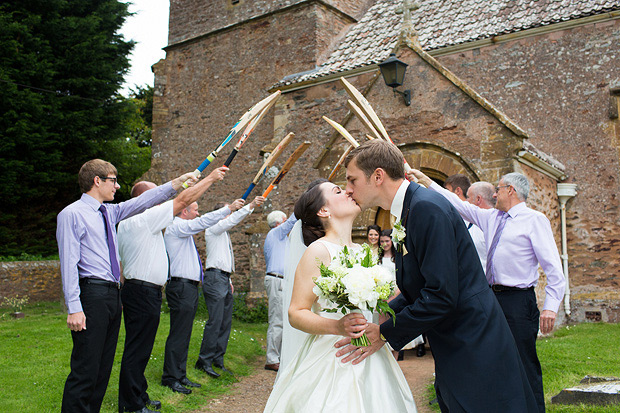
(444, 294)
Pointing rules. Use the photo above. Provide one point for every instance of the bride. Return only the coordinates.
(314, 379)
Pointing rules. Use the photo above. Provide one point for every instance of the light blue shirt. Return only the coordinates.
(275, 246)
(82, 243)
(181, 246)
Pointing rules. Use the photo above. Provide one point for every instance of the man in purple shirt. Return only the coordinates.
(90, 270)
(518, 239)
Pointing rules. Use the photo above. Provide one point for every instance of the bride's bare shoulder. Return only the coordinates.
(317, 250)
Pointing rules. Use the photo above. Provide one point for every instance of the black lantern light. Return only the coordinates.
(393, 72)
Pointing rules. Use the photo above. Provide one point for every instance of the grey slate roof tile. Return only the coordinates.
(442, 23)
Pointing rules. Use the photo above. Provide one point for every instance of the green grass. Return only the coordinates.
(568, 356)
(575, 352)
(35, 353)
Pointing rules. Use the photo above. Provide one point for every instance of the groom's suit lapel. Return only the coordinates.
(403, 220)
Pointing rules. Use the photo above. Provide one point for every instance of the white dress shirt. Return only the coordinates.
(477, 236)
(399, 199)
(180, 243)
(526, 241)
(219, 248)
(141, 244)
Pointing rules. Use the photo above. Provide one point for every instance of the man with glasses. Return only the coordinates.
(518, 240)
(90, 270)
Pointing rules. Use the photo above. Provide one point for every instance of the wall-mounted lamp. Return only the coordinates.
(393, 72)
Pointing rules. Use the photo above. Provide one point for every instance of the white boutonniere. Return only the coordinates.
(398, 237)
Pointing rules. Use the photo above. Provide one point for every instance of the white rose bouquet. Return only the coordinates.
(354, 281)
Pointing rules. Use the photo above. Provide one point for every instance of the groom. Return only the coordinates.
(444, 292)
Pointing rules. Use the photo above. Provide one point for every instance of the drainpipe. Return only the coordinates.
(565, 192)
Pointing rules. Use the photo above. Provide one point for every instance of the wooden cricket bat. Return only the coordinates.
(287, 166)
(277, 151)
(341, 130)
(247, 132)
(371, 115)
(360, 115)
(339, 164)
(247, 117)
(362, 103)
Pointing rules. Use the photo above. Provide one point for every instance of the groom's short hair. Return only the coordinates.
(378, 154)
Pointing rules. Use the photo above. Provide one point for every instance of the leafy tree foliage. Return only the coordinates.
(62, 63)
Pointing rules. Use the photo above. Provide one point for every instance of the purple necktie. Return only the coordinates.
(116, 269)
(498, 234)
(202, 271)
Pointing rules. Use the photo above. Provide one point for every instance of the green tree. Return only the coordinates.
(62, 63)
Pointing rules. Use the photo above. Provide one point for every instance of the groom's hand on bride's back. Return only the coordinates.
(358, 354)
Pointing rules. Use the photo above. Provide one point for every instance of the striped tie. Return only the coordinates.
(498, 233)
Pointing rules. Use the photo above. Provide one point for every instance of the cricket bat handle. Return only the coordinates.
(247, 192)
(186, 183)
(268, 190)
(231, 157)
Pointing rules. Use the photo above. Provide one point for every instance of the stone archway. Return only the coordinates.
(435, 161)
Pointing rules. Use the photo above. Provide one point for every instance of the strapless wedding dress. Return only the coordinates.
(315, 380)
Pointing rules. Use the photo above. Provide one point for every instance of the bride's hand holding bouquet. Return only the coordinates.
(353, 282)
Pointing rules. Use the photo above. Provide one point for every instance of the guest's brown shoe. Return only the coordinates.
(274, 367)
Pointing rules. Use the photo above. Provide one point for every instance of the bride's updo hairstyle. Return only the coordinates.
(306, 209)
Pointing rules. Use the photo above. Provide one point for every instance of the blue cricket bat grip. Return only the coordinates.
(247, 192)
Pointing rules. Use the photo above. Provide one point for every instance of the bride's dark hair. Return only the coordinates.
(306, 208)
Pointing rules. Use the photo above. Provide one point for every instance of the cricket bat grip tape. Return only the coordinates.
(231, 157)
(247, 192)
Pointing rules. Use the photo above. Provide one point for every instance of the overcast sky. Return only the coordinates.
(148, 27)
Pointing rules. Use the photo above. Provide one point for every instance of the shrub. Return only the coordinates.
(257, 312)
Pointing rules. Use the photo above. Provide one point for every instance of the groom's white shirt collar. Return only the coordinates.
(399, 199)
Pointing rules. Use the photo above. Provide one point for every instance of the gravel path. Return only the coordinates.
(250, 394)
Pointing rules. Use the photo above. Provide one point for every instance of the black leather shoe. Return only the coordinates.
(142, 410)
(154, 404)
(188, 383)
(421, 350)
(207, 369)
(401, 355)
(221, 367)
(177, 387)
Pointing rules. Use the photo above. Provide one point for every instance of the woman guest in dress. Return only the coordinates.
(372, 238)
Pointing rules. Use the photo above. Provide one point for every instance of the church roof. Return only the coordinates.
(442, 23)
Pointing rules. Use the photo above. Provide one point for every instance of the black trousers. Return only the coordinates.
(183, 301)
(523, 316)
(219, 299)
(93, 349)
(141, 309)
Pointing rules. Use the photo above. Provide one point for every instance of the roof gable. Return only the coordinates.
(442, 23)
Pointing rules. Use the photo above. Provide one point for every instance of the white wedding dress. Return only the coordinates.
(315, 380)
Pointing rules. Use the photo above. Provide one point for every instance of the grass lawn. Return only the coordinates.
(35, 354)
(571, 354)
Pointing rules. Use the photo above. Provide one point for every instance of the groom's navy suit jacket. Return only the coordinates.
(444, 294)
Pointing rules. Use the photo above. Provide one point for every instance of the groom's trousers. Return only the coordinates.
(521, 311)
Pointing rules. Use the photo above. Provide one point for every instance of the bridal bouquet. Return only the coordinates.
(354, 281)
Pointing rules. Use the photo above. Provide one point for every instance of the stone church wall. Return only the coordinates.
(556, 87)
